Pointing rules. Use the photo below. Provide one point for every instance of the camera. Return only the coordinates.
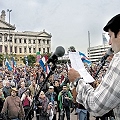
(64, 93)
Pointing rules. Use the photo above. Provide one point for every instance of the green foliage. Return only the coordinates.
(10, 56)
(31, 60)
(1, 59)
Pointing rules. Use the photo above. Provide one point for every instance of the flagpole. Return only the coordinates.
(89, 44)
(103, 40)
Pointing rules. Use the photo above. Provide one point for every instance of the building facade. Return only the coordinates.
(95, 53)
(22, 43)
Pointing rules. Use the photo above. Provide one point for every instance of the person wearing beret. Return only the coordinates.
(13, 106)
(106, 96)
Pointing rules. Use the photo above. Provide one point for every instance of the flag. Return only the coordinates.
(13, 64)
(26, 60)
(38, 56)
(104, 39)
(8, 65)
(84, 58)
(47, 69)
(42, 62)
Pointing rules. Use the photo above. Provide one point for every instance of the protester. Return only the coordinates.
(7, 89)
(106, 96)
(5, 80)
(21, 89)
(42, 107)
(65, 98)
(51, 95)
(27, 101)
(34, 88)
(13, 106)
(57, 89)
(2, 99)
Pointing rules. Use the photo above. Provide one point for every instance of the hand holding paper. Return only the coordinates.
(78, 65)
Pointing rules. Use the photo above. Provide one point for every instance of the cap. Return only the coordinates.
(114, 23)
(14, 89)
(51, 87)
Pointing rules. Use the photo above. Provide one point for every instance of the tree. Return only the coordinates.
(31, 60)
(1, 59)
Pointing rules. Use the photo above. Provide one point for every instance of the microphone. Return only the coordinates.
(59, 52)
(107, 54)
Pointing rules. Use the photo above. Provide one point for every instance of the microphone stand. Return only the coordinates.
(35, 98)
(101, 65)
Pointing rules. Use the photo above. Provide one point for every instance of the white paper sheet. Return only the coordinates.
(78, 65)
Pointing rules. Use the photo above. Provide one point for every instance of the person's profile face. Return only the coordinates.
(114, 41)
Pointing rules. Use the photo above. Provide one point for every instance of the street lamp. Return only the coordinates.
(9, 11)
(9, 14)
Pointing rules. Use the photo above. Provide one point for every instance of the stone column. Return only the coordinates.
(3, 46)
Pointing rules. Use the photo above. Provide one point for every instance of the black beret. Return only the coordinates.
(113, 24)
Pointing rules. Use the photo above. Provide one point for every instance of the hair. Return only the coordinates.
(113, 25)
(26, 91)
(115, 31)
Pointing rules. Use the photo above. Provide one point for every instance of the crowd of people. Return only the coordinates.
(20, 93)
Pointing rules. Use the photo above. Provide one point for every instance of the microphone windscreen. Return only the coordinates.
(60, 51)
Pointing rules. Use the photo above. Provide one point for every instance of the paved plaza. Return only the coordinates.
(73, 117)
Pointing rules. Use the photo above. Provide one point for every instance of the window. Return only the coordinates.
(25, 41)
(39, 41)
(10, 39)
(39, 49)
(5, 38)
(20, 40)
(47, 41)
(43, 50)
(20, 50)
(0, 48)
(25, 49)
(34, 50)
(6, 49)
(10, 49)
(33, 41)
(43, 41)
(15, 40)
(47, 49)
(0, 38)
(15, 49)
(29, 41)
(29, 50)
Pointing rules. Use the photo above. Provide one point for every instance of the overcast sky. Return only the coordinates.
(68, 21)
